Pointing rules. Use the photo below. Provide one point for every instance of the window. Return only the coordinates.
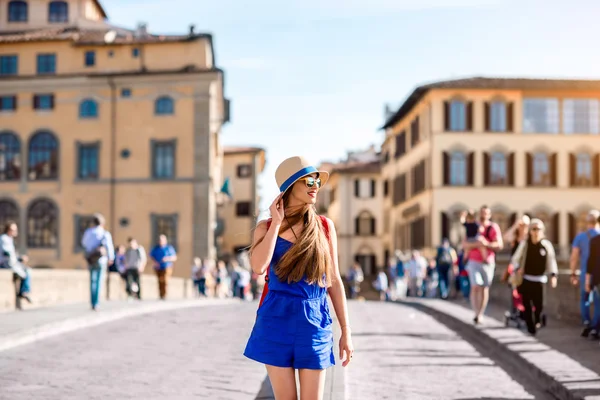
(498, 117)
(43, 156)
(583, 170)
(165, 225)
(43, 102)
(581, 116)
(399, 189)
(386, 188)
(364, 224)
(498, 169)
(90, 58)
(164, 106)
(58, 11)
(10, 157)
(414, 132)
(46, 64)
(400, 144)
(458, 169)
(88, 108)
(9, 65)
(9, 212)
(125, 92)
(244, 171)
(82, 222)
(8, 103)
(135, 52)
(418, 178)
(17, 11)
(457, 116)
(242, 209)
(163, 160)
(541, 169)
(87, 167)
(42, 224)
(417, 230)
(540, 115)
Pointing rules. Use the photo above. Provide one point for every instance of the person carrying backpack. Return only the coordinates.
(99, 253)
(445, 259)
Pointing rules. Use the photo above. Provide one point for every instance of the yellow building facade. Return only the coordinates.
(95, 118)
(520, 146)
(242, 167)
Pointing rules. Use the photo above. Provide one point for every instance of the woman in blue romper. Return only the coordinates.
(293, 324)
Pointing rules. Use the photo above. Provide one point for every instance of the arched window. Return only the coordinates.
(498, 170)
(43, 156)
(8, 212)
(541, 169)
(164, 106)
(10, 157)
(58, 11)
(42, 224)
(583, 169)
(365, 224)
(458, 115)
(88, 108)
(458, 169)
(17, 11)
(498, 116)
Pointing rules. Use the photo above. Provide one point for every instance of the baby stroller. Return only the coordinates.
(517, 310)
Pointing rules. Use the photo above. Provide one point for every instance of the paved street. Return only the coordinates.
(401, 353)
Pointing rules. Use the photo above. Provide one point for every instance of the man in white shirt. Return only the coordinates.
(99, 253)
(416, 269)
(10, 259)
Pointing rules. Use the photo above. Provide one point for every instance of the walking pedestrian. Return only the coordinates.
(99, 253)
(381, 284)
(480, 268)
(445, 259)
(580, 251)
(293, 324)
(355, 278)
(532, 261)
(199, 270)
(163, 255)
(135, 263)
(18, 264)
(416, 269)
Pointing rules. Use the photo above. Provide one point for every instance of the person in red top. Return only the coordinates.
(480, 269)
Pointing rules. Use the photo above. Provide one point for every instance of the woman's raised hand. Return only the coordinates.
(277, 211)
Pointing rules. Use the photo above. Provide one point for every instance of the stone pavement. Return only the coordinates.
(196, 352)
(557, 357)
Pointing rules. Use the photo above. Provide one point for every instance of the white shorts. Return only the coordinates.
(480, 274)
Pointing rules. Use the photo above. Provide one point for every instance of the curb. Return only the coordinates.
(71, 324)
(499, 352)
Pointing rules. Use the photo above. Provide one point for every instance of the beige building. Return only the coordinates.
(241, 169)
(97, 118)
(352, 199)
(516, 145)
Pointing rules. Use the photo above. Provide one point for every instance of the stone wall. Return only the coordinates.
(53, 287)
(560, 303)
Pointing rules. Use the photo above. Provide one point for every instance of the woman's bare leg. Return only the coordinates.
(312, 384)
(283, 382)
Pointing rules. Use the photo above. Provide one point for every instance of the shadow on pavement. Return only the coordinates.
(266, 391)
(428, 336)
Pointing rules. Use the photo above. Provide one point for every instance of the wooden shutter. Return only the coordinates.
(510, 117)
(52, 102)
(572, 170)
(446, 115)
(14, 99)
(357, 226)
(373, 226)
(555, 228)
(445, 225)
(486, 168)
(446, 167)
(488, 116)
(356, 188)
(572, 227)
(373, 184)
(469, 116)
(595, 171)
(553, 168)
(510, 167)
(470, 169)
(529, 162)
(36, 102)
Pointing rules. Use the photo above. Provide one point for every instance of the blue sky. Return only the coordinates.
(311, 77)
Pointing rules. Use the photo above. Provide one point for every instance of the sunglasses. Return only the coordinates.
(535, 229)
(312, 182)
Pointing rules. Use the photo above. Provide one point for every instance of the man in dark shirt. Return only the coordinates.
(592, 280)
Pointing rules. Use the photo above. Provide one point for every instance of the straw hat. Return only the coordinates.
(294, 168)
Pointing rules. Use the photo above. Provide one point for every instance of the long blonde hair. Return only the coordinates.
(310, 256)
